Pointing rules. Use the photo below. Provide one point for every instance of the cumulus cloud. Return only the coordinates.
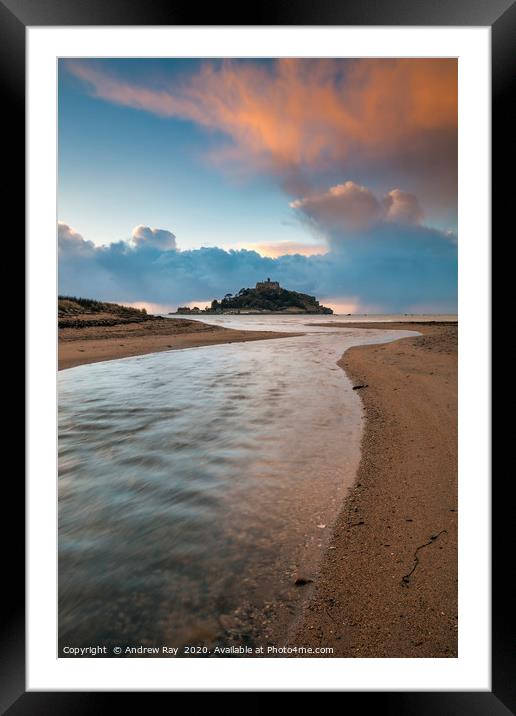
(393, 269)
(157, 238)
(350, 210)
(347, 206)
(296, 116)
(402, 207)
(70, 242)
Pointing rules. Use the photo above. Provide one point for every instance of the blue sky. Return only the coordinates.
(121, 167)
(351, 159)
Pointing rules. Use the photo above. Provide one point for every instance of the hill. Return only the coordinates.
(76, 312)
(267, 297)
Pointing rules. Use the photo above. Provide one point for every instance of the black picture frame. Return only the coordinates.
(15, 16)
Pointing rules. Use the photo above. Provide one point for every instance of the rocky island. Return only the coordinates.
(267, 297)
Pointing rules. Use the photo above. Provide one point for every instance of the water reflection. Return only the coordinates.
(194, 484)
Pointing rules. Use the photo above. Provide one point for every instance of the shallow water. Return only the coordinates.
(195, 484)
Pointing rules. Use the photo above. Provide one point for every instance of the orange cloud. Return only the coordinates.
(342, 306)
(350, 206)
(149, 307)
(402, 207)
(295, 115)
(287, 248)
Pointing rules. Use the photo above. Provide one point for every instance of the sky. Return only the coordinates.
(181, 180)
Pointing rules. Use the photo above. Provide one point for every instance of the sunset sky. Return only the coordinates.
(182, 180)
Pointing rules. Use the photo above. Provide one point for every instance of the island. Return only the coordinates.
(266, 297)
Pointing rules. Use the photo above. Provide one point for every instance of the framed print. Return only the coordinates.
(258, 444)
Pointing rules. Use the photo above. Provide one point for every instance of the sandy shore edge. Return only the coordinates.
(387, 585)
(79, 346)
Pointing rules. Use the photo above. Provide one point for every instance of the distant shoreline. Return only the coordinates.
(363, 318)
(249, 313)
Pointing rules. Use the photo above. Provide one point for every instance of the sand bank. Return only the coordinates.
(387, 586)
(93, 343)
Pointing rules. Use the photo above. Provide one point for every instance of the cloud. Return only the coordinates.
(71, 243)
(390, 269)
(346, 206)
(158, 238)
(349, 210)
(284, 248)
(402, 207)
(293, 117)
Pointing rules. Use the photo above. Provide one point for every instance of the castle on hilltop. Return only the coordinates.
(268, 285)
(267, 297)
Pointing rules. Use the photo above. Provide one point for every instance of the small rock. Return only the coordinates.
(301, 580)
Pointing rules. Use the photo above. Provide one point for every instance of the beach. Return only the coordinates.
(387, 585)
(94, 343)
(362, 559)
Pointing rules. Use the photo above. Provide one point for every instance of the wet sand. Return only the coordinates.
(387, 586)
(94, 343)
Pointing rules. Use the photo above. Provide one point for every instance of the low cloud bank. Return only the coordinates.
(389, 268)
